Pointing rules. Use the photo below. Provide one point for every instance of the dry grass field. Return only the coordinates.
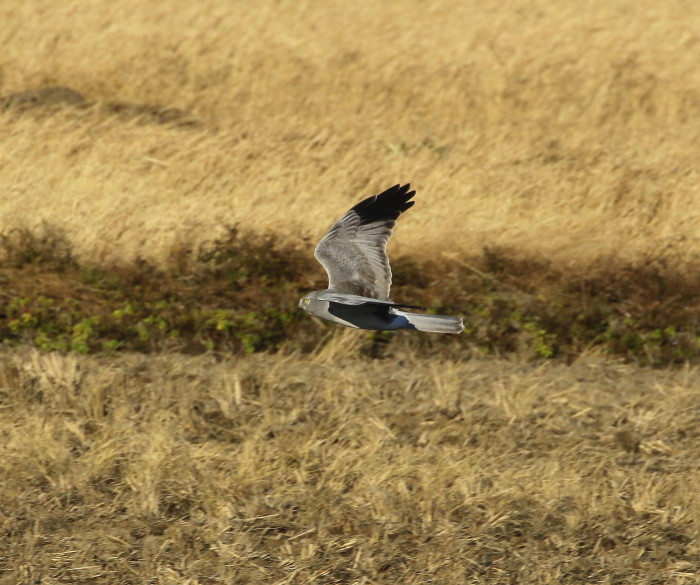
(334, 469)
(562, 128)
(183, 172)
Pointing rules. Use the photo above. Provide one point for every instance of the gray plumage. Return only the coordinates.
(353, 252)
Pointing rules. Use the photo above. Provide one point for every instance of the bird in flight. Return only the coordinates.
(353, 252)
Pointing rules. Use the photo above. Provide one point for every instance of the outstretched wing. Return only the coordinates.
(353, 252)
(354, 300)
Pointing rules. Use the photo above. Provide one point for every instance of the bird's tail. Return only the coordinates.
(432, 323)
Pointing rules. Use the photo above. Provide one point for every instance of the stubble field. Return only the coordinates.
(166, 201)
(333, 469)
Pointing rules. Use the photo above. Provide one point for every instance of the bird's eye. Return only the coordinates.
(306, 301)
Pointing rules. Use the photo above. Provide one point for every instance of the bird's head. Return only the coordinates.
(305, 301)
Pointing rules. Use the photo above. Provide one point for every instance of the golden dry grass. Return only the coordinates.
(567, 129)
(332, 469)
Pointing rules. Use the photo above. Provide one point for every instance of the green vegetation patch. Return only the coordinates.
(239, 294)
(225, 298)
(646, 312)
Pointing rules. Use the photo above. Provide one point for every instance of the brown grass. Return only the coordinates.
(557, 128)
(337, 470)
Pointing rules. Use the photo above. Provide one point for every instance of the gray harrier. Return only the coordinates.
(353, 252)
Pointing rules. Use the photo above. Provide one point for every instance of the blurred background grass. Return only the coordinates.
(561, 129)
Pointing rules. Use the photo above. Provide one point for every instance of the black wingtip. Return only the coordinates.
(388, 204)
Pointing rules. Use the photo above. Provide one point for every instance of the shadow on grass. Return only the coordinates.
(239, 294)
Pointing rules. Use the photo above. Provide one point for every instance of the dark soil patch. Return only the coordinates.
(47, 99)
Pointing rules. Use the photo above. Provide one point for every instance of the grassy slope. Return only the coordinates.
(334, 470)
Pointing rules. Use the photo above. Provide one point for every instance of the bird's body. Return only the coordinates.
(353, 252)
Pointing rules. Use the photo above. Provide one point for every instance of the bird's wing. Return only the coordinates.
(353, 252)
(349, 299)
